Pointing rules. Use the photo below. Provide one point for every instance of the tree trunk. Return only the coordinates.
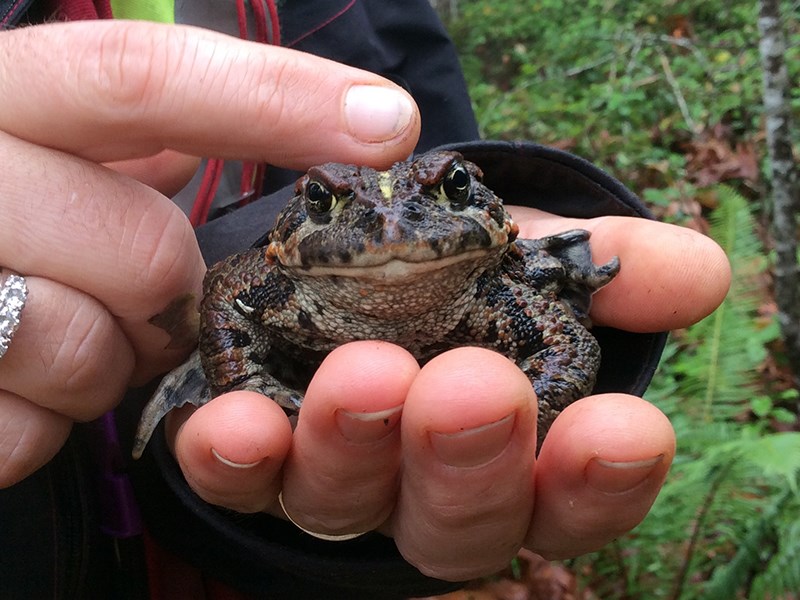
(784, 180)
(447, 9)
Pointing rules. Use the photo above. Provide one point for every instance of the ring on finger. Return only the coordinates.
(13, 294)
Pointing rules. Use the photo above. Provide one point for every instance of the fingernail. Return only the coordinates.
(230, 463)
(473, 447)
(367, 427)
(342, 537)
(618, 477)
(376, 114)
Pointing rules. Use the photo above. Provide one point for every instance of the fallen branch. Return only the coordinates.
(676, 91)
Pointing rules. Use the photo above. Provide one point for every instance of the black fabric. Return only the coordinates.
(49, 524)
(404, 41)
(11, 11)
(263, 555)
(50, 542)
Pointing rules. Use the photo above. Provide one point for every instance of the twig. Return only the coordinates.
(588, 67)
(634, 52)
(676, 90)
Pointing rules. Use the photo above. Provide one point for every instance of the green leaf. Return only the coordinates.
(761, 405)
(776, 455)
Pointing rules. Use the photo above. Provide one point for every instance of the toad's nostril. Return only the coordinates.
(412, 211)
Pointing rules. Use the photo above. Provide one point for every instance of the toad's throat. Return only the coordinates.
(395, 269)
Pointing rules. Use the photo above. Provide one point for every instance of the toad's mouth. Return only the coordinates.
(394, 268)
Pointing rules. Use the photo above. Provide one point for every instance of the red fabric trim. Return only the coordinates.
(252, 182)
(260, 15)
(252, 174)
(276, 26)
(321, 25)
(241, 15)
(83, 10)
(208, 189)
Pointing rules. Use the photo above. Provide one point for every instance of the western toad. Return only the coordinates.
(422, 255)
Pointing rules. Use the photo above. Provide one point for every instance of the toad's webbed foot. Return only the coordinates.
(576, 277)
(185, 384)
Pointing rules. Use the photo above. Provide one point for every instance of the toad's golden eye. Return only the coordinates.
(457, 185)
(319, 198)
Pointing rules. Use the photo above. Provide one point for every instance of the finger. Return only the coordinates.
(670, 276)
(232, 449)
(129, 89)
(469, 441)
(29, 437)
(93, 230)
(342, 474)
(168, 171)
(599, 471)
(68, 354)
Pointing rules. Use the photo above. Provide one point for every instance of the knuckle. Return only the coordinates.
(90, 365)
(165, 251)
(268, 101)
(289, 92)
(124, 69)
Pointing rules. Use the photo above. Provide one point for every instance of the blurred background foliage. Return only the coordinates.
(667, 96)
(662, 94)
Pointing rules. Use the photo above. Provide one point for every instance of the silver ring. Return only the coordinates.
(321, 536)
(13, 295)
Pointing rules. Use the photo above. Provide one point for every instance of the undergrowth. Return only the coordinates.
(624, 84)
(727, 523)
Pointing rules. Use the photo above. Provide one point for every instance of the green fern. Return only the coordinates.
(782, 573)
(720, 524)
(767, 563)
(719, 376)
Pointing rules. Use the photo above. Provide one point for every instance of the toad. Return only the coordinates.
(422, 255)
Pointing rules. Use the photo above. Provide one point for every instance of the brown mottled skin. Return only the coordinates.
(424, 256)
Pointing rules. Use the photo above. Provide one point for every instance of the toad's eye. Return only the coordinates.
(319, 198)
(457, 185)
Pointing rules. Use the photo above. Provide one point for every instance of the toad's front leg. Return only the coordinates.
(562, 264)
(234, 353)
(242, 297)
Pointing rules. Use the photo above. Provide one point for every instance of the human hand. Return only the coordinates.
(101, 251)
(445, 463)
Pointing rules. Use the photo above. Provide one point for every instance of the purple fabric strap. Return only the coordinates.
(118, 511)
